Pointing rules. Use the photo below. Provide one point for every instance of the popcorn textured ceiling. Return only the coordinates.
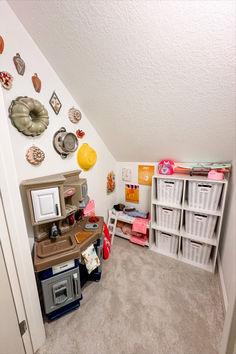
(155, 78)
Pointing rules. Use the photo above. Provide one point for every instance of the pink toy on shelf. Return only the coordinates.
(219, 176)
(165, 167)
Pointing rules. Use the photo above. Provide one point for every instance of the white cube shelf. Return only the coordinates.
(190, 208)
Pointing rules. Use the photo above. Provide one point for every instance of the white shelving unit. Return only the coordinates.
(114, 216)
(174, 192)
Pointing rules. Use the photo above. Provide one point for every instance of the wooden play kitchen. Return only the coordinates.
(61, 235)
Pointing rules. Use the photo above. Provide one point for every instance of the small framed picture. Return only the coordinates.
(55, 103)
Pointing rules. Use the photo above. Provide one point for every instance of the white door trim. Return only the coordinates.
(18, 236)
(13, 278)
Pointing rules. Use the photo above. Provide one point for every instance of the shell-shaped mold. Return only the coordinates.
(29, 116)
(34, 155)
(74, 115)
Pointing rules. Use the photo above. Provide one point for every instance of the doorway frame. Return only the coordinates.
(17, 249)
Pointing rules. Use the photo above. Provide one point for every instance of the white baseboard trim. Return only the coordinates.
(222, 282)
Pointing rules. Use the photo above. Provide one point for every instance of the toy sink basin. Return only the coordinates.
(51, 247)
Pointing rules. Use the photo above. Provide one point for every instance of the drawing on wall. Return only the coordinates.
(36, 82)
(145, 174)
(19, 64)
(55, 103)
(6, 79)
(132, 193)
(126, 174)
(111, 182)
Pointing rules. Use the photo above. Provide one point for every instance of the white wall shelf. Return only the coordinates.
(217, 212)
(210, 241)
(181, 194)
(155, 226)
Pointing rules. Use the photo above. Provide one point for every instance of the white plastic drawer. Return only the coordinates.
(204, 195)
(200, 224)
(169, 191)
(166, 242)
(168, 218)
(195, 251)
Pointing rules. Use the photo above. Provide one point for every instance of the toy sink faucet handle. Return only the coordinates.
(166, 167)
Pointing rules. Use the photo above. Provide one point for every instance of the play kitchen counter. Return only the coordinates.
(50, 252)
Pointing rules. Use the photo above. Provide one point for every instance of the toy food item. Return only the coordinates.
(86, 157)
(6, 79)
(36, 82)
(19, 64)
(29, 116)
(1, 44)
(165, 167)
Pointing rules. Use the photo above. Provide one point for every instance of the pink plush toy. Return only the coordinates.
(165, 167)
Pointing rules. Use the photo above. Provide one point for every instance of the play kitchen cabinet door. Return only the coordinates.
(46, 204)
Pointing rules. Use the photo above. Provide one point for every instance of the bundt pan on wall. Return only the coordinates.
(29, 116)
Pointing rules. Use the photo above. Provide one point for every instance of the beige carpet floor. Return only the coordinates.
(145, 303)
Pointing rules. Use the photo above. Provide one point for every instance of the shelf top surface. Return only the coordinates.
(189, 178)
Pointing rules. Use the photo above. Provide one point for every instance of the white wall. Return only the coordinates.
(144, 190)
(228, 240)
(17, 40)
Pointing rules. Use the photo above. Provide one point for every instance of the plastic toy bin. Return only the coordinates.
(204, 195)
(166, 242)
(200, 224)
(168, 218)
(195, 251)
(169, 191)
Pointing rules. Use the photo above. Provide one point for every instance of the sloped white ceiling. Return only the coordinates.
(155, 78)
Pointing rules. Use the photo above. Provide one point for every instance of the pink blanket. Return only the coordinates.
(140, 225)
(139, 240)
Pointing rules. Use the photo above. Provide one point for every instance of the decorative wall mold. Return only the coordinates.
(55, 103)
(80, 133)
(64, 143)
(1, 44)
(74, 115)
(86, 157)
(34, 155)
(6, 79)
(28, 115)
(36, 82)
(19, 64)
